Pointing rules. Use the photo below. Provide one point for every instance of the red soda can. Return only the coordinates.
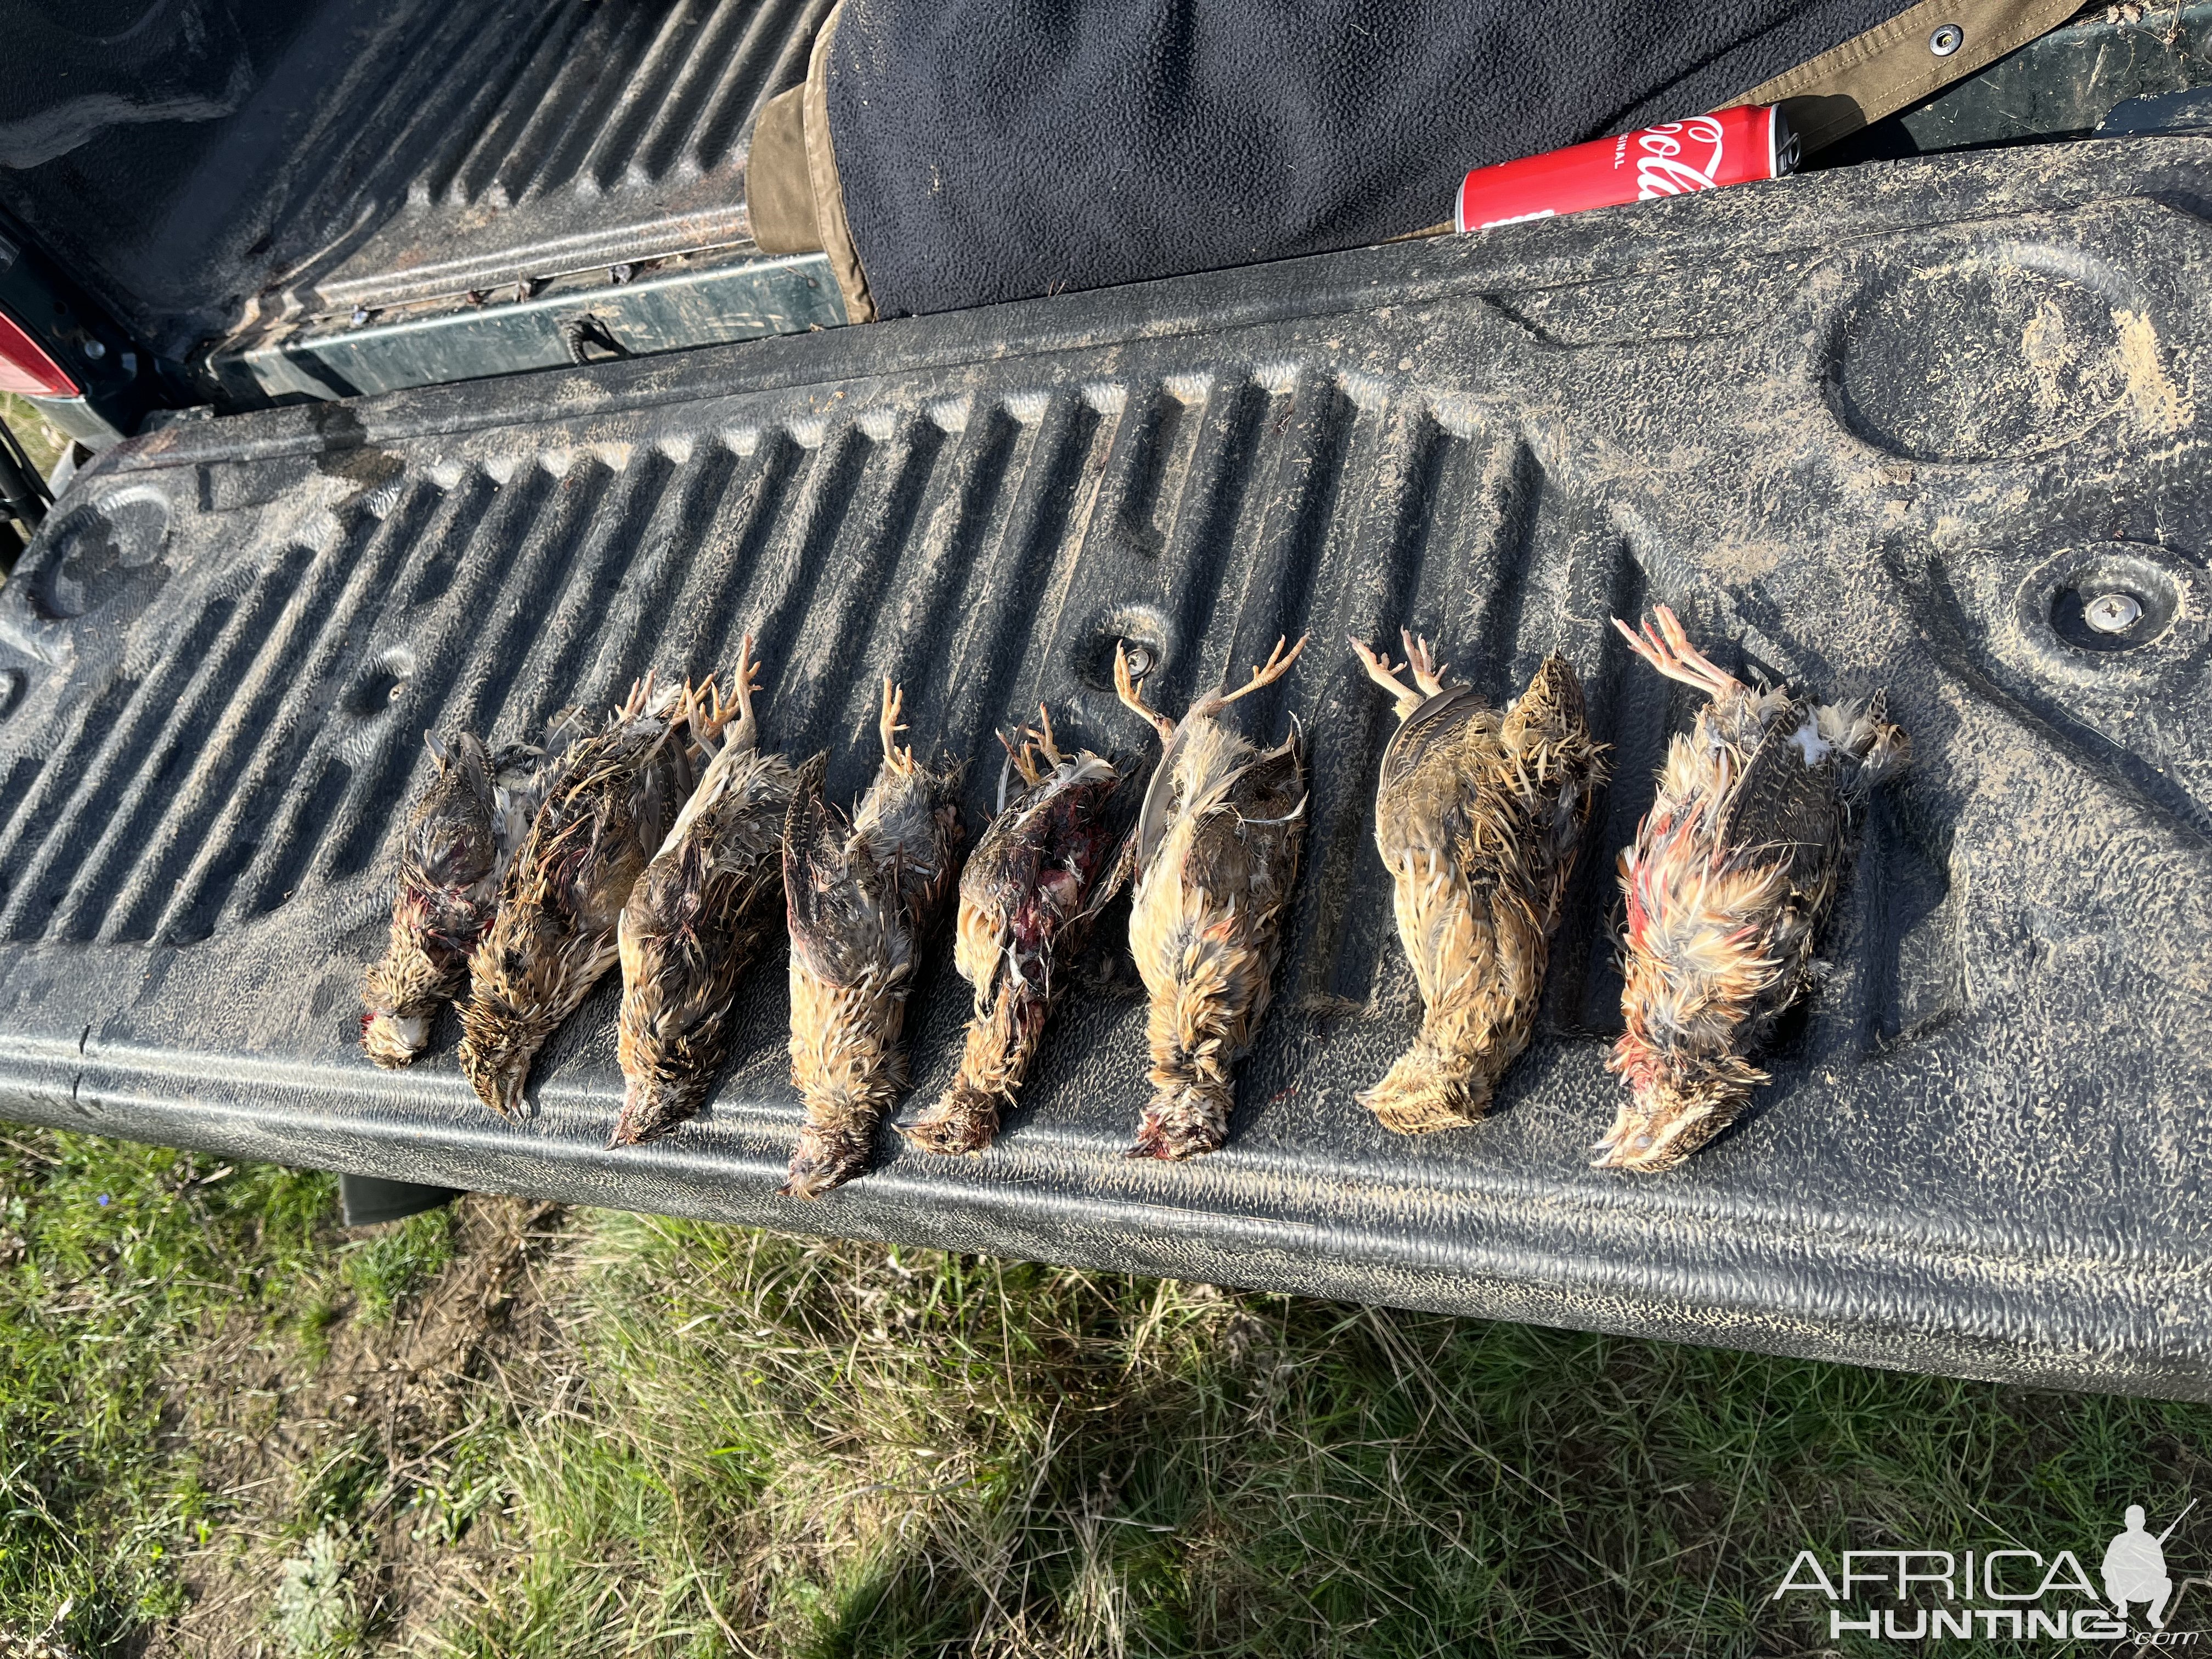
(1729, 147)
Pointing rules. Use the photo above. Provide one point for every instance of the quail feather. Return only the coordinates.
(1730, 876)
(460, 834)
(701, 913)
(1478, 816)
(860, 896)
(1038, 878)
(1216, 855)
(607, 804)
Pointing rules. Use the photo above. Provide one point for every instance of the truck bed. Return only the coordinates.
(1883, 428)
(346, 165)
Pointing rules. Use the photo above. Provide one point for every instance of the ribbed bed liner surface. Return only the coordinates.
(544, 138)
(375, 156)
(1858, 435)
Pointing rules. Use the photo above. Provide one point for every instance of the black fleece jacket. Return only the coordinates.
(998, 150)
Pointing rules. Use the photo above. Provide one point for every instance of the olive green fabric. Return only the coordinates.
(1896, 64)
(779, 187)
(829, 192)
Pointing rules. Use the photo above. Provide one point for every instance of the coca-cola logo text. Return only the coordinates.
(1663, 168)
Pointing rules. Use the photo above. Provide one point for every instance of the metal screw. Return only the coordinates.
(1141, 660)
(2113, 613)
(94, 350)
(359, 315)
(619, 274)
(1947, 39)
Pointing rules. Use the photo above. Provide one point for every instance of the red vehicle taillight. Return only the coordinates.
(26, 369)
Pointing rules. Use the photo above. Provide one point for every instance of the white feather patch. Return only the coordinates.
(1814, 747)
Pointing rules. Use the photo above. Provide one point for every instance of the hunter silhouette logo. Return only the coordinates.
(2134, 1567)
(2008, 1593)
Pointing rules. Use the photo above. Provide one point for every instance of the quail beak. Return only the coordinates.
(499, 1083)
(1158, 1140)
(643, 1116)
(1639, 1141)
(824, 1160)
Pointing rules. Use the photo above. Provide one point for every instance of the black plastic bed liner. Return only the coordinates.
(1889, 427)
(284, 174)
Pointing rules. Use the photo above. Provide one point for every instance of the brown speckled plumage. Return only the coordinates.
(860, 897)
(1477, 817)
(460, 834)
(1216, 855)
(1730, 876)
(608, 804)
(701, 913)
(1035, 882)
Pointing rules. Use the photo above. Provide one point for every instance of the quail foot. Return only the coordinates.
(1477, 817)
(1035, 882)
(1731, 875)
(860, 896)
(1216, 854)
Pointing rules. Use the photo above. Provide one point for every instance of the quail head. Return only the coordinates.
(1727, 884)
(1035, 882)
(701, 913)
(607, 806)
(1216, 854)
(459, 836)
(1477, 817)
(859, 898)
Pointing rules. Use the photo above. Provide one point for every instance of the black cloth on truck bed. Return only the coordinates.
(1001, 150)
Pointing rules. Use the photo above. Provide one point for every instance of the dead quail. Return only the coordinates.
(1216, 855)
(701, 913)
(1731, 875)
(1035, 882)
(1477, 817)
(607, 807)
(459, 836)
(859, 897)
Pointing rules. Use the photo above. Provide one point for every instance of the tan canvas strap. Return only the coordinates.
(828, 193)
(779, 185)
(1898, 62)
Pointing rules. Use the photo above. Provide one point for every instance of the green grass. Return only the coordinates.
(118, 1257)
(41, 440)
(725, 1441)
(44, 443)
(395, 1262)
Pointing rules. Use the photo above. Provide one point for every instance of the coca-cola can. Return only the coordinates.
(1729, 147)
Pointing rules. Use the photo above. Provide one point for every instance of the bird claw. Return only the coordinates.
(1126, 688)
(746, 680)
(890, 725)
(1036, 756)
(1046, 744)
(1667, 647)
(1380, 669)
(1428, 673)
(1266, 674)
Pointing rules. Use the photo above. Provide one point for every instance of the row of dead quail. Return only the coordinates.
(657, 842)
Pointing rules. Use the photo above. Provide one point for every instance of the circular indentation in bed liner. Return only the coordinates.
(1990, 357)
(381, 679)
(105, 549)
(2112, 610)
(1143, 628)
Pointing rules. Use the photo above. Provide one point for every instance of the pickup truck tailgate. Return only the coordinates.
(1893, 427)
